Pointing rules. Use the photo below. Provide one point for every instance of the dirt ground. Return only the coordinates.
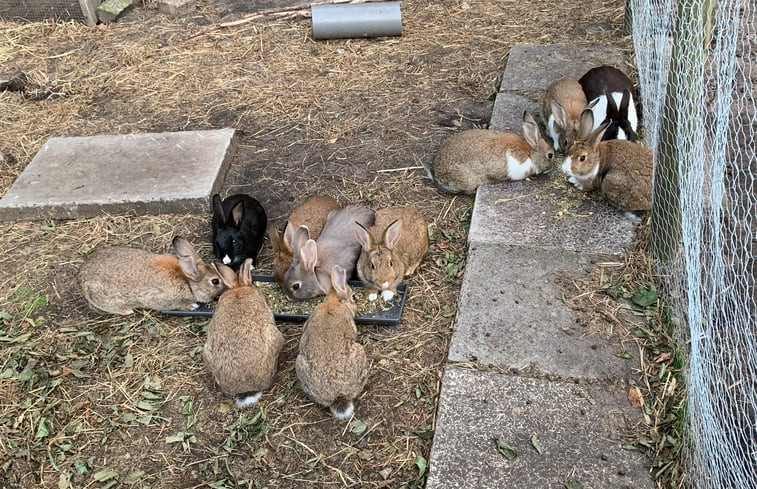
(98, 401)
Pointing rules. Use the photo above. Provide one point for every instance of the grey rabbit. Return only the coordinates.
(312, 261)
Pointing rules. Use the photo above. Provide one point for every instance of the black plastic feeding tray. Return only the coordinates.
(389, 317)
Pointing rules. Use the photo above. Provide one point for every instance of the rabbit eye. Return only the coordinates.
(296, 286)
(582, 158)
(550, 156)
(215, 281)
(564, 143)
(391, 264)
(373, 267)
(233, 241)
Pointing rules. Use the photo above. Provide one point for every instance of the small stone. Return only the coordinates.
(176, 8)
(110, 10)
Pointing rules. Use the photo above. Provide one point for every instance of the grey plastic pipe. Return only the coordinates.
(372, 19)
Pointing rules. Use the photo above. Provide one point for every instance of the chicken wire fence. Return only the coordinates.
(697, 67)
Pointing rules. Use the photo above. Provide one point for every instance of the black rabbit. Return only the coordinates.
(610, 94)
(239, 224)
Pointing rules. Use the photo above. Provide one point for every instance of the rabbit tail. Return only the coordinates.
(246, 399)
(342, 408)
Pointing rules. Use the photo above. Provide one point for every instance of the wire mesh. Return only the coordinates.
(37, 10)
(697, 64)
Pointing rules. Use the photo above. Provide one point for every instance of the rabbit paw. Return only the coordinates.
(632, 217)
(387, 295)
(373, 296)
(195, 306)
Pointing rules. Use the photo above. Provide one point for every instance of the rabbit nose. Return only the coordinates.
(385, 284)
(226, 260)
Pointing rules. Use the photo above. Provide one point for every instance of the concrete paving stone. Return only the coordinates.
(532, 67)
(507, 114)
(110, 10)
(547, 212)
(150, 173)
(510, 316)
(579, 429)
(177, 7)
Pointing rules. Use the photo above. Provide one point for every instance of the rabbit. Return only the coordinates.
(243, 342)
(561, 108)
(392, 249)
(239, 224)
(611, 91)
(311, 213)
(621, 170)
(117, 280)
(312, 261)
(331, 366)
(479, 156)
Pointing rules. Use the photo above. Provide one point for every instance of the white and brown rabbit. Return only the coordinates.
(331, 365)
(476, 157)
(621, 170)
(312, 261)
(117, 280)
(563, 102)
(311, 213)
(243, 343)
(392, 249)
(610, 92)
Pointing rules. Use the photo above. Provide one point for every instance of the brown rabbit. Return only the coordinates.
(563, 102)
(332, 367)
(620, 169)
(243, 343)
(392, 249)
(117, 280)
(311, 213)
(476, 157)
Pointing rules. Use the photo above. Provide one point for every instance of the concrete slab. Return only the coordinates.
(579, 430)
(547, 212)
(151, 173)
(532, 67)
(507, 114)
(510, 316)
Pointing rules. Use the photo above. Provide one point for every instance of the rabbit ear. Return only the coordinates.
(586, 122)
(559, 114)
(309, 255)
(245, 274)
(527, 117)
(596, 137)
(300, 237)
(228, 277)
(613, 112)
(624, 100)
(188, 259)
(274, 237)
(237, 213)
(218, 210)
(363, 236)
(531, 134)
(392, 234)
(339, 281)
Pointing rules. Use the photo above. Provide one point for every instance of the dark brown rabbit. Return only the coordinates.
(243, 343)
(117, 280)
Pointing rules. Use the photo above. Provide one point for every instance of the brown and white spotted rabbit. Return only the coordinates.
(620, 169)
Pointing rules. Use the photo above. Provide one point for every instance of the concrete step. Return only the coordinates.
(580, 429)
(510, 316)
(150, 173)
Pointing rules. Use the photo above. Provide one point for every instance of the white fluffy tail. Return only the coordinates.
(342, 409)
(246, 399)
